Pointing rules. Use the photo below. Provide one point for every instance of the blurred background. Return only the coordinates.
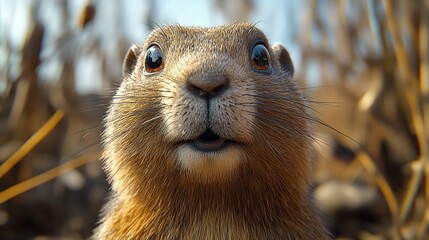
(364, 66)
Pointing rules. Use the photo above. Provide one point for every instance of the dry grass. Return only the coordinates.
(374, 55)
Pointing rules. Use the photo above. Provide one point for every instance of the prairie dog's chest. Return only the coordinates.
(217, 226)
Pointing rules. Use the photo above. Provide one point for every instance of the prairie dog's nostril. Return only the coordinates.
(196, 90)
(219, 89)
(207, 88)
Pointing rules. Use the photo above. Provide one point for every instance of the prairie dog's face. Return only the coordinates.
(201, 92)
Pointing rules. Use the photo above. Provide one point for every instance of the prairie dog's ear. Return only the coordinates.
(130, 60)
(283, 57)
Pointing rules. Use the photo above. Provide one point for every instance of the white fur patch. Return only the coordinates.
(209, 166)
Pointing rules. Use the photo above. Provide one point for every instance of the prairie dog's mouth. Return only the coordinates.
(208, 141)
(209, 156)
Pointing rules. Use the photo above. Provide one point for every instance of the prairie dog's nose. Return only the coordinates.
(207, 87)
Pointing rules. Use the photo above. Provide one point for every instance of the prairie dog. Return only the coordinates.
(208, 137)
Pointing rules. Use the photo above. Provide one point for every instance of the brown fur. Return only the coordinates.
(266, 197)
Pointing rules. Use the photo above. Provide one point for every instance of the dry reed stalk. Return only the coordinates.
(423, 33)
(46, 176)
(31, 142)
(390, 117)
(409, 81)
(385, 189)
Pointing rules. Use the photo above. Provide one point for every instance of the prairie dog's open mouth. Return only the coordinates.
(209, 156)
(209, 141)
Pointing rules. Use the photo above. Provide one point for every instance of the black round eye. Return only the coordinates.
(260, 57)
(153, 59)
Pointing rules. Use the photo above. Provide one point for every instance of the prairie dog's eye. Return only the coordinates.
(260, 57)
(153, 59)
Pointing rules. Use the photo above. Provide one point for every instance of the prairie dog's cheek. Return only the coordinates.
(182, 115)
(233, 114)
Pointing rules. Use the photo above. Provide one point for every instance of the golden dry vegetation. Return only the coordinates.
(364, 68)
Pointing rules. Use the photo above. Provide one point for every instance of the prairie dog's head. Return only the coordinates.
(206, 105)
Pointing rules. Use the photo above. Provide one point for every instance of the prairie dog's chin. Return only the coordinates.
(209, 166)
